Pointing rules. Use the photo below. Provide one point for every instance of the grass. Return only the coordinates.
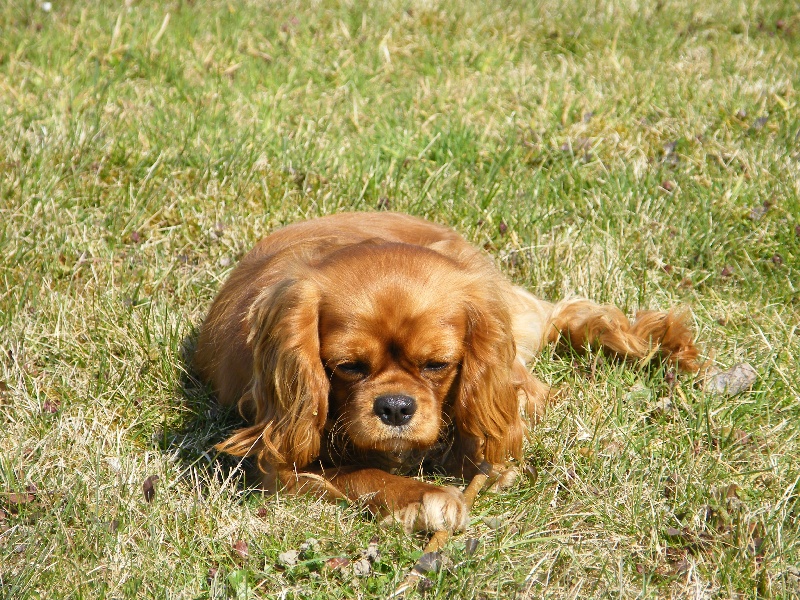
(644, 154)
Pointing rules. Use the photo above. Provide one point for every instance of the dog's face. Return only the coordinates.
(381, 347)
(392, 346)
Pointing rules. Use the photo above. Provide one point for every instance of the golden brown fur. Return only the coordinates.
(362, 346)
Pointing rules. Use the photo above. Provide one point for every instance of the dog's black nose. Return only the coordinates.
(395, 409)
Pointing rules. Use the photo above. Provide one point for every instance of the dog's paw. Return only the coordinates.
(440, 508)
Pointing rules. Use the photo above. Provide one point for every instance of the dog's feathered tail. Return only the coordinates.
(585, 324)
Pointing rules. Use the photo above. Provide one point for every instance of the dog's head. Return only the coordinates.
(387, 345)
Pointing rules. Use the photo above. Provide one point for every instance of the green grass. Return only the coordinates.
(644, 154)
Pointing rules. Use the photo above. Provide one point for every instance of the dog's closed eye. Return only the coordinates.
(352, 369)
(435, 366)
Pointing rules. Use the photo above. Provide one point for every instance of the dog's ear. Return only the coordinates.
(287, 400)
(487, 409)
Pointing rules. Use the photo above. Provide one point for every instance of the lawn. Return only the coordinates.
(641, 153)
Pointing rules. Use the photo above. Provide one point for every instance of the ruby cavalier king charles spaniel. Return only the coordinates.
(364, 348)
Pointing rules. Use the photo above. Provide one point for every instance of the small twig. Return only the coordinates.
(440, 537)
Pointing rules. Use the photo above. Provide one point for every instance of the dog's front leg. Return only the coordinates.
(418, 506)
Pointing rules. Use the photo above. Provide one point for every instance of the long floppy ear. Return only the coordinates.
(487, 409)
(287, 401)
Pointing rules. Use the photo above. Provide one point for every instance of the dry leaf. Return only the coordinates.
(688, 538)
(680, 567)
(493, 522)
(148, 487)
(532, 473)
(14, 500)
(337, 562)
(240, 547)
(430, 562)
(471, 546)
(51, 406)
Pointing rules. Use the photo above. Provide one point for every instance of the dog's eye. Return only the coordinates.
(353, 369)
(432, 366)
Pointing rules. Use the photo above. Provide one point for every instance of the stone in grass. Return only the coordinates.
(739, 378)
(372, 553)
(288, 558)
(362, 567)
(661, 408)
(639, 393)
(308, 547)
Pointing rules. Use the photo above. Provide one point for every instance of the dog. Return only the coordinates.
(362, 348)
